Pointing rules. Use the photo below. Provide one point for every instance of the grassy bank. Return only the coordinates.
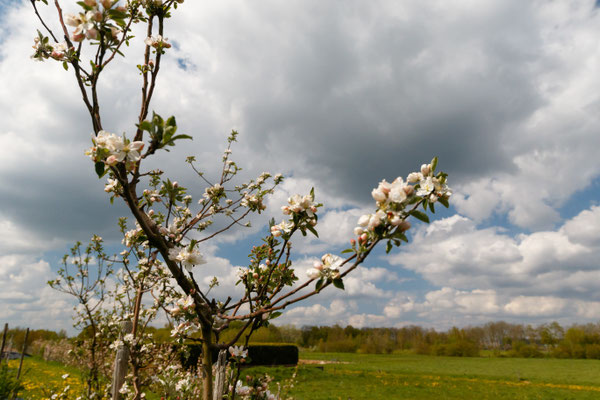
(403, 376)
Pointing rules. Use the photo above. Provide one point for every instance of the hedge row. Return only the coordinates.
(275, 354)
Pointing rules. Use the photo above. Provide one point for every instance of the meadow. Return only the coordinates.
(397, 376)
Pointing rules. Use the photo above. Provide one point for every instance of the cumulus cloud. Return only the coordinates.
(340, 97)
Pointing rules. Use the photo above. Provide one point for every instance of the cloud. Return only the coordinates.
(454, 251)
(340, 97)
(27, 300)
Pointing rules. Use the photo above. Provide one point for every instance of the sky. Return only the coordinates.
(337, 96)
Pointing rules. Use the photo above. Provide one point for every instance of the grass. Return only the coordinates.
(410, 376)
(41, 378)
(398, 376)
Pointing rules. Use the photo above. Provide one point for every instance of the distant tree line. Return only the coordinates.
(500, 339)
(494, 338)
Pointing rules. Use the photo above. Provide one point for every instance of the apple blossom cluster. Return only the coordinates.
(392, 199)
(44, 49)
(158, 42)
(184, 329)
(174, 382)
(111, 150)
(328, 267)
(302, 210)
(253, 203)
(183, 305)
(265, 274)
(87, 24)
(255, 388)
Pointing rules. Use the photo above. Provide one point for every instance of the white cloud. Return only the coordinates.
(341, 96)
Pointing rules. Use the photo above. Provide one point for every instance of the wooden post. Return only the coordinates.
(3, 341)
(21, 361)
(219, 385)
(120, 368)
(23, 353)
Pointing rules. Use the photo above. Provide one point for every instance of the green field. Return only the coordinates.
(404, 376)
(410, 376)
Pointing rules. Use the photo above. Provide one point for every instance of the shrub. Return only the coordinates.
(263, 354)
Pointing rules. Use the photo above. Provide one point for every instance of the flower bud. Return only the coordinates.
(97, 16)
(313, 273)
(255, 275)
(358, 231)
(121, 8)
(77, 37)
(318, 266)
(112, 160)
(409, 190)
(414, 177)
(91, 3)
(404, 226)
(425, 169)
(91, 33)
(106, 3)
(352, 242)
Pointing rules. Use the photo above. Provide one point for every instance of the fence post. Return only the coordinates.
(23, 353)
(3, 341)
(219, 386)
(21, 361)
(120, 368)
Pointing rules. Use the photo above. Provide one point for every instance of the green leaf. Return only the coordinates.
(99, 166)
(444, 202)
(338, 283)
(65, 65)
(146, 126)
(314, 232)
(401, 236)
(432, 208)
(420, 215)
(176, 137)
(434, 163)
(388, 246)
(275, 314)
(347, 251)
(319, 284)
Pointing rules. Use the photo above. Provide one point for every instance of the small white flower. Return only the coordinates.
(186, 257)
(238, 351)
(426, 186)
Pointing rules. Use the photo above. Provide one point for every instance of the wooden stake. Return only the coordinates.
(121, 362)
(23, 353)
(3, 341)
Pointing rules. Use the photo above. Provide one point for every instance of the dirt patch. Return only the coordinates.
(321, 362)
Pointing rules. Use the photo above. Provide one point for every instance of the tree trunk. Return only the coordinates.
(207, 378)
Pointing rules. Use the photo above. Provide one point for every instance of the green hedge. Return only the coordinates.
(263, 354)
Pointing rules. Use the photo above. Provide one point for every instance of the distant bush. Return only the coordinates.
(525, 350)
(592, 351)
